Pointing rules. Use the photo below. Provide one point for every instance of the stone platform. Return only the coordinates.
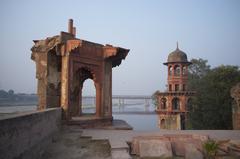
(86, 122)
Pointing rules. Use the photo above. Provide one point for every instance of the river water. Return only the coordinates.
(137, 113)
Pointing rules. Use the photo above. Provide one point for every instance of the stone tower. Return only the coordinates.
(173, 103)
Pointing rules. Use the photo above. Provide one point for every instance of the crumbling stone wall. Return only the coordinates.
(25, 136)
(235, 94)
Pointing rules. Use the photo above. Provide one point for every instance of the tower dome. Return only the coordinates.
(177, 56)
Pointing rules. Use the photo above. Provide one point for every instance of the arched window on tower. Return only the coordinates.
(170, 87)
(163, 103)
(170, 70)
(177, 70)
(175, 104)
(184, 70)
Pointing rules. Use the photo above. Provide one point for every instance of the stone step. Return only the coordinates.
(119, 148)
(120, 153)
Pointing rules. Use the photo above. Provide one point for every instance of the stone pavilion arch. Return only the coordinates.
(80, 76)
(64, 62)
(88, 103)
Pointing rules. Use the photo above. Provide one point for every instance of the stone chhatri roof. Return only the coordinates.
(177, 56)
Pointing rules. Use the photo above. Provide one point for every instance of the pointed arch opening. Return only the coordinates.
(175, 104)
(170, 70)
(88, 102)
(83, 93)
(184, 70)
(163, 103)
(177, 70)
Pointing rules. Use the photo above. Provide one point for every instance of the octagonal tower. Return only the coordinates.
(173, 103)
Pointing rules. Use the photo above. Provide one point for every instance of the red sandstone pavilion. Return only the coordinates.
(64, 62)
(173, 104)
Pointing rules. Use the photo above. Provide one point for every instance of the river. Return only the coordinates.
(135, 112)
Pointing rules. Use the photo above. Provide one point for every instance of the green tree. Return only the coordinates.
(155, 98)
(3, 94)
(212, 103)
(11, 92)
(196, 72)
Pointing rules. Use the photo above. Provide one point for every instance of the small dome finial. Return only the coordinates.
(177, 45)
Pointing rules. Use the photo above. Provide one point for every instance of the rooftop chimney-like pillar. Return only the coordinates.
(70, 26)
(74, 31)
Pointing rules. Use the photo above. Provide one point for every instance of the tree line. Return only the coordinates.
(211, 107)
(9, 98)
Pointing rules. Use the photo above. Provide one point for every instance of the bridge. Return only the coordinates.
(122, 98)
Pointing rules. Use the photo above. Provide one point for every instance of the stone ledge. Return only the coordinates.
(99, 123)
(27, 134)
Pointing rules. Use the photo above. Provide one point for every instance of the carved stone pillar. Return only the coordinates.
(98, 100)
(80, 101)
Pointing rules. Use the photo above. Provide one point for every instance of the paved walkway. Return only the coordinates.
(126, 135)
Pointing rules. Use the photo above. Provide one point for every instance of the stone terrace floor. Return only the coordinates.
(74, 142)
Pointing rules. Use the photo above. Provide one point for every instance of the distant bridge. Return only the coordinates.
(122, 98)
(135, 112)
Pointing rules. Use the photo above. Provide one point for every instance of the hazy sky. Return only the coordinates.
(208, 29)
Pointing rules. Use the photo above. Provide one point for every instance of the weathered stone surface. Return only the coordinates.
(223, 148)
(64, 62)
(235, 143)
(135, 146)
(235, 94)
(120, 153)
(234, 147)
(202, 138)
(179, 144)
(26, 135)
(155, 148)
(191, 152)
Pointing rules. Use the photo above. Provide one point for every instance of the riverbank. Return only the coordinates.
(134, 115)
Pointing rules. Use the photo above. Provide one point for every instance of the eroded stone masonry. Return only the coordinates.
(64, 62)
(235, 94)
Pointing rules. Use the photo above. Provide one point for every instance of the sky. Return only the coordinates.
(149, 28)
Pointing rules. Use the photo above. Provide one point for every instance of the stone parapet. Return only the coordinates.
(26, 135)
